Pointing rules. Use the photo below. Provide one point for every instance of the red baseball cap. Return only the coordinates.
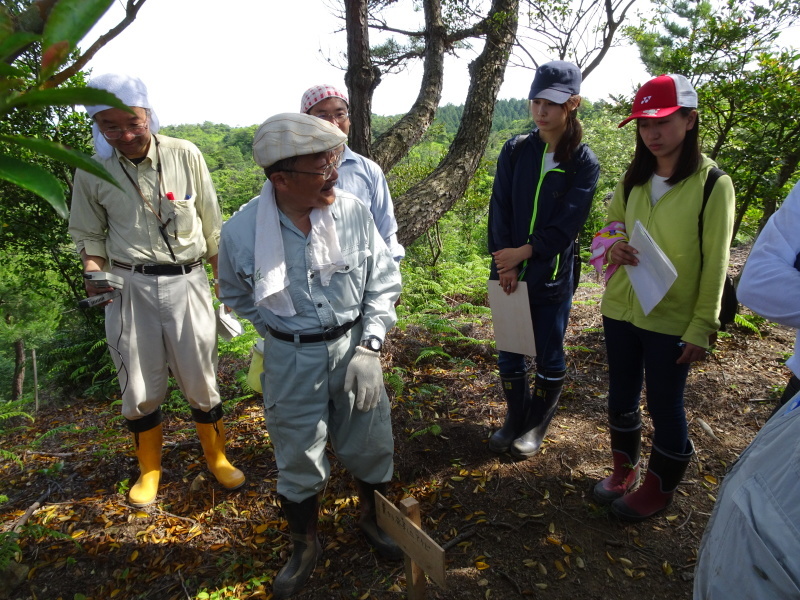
(662, 96)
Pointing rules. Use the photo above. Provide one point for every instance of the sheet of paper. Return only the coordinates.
(511, 316)
(228, 327)
(655, 273)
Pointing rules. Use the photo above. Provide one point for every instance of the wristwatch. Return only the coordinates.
(373, 343)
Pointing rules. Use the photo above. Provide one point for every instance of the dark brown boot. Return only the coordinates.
(368, 521)
(302, 518)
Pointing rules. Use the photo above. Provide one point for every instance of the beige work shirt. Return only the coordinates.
(117, 224)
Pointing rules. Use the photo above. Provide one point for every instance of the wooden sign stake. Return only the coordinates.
(422, 554)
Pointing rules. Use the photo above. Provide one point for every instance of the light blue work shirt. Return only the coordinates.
(365, 180)
(368, 284)
(751, 546)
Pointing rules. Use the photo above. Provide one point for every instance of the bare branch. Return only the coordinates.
(131, 10)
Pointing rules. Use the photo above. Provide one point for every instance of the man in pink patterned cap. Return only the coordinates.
(358, 175)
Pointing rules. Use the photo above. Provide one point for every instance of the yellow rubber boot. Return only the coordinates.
(212, 438)
(148, 451)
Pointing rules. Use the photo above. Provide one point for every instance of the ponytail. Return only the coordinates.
(573, 134)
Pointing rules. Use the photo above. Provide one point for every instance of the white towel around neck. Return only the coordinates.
(271, 277)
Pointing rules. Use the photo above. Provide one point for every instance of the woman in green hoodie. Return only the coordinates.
(663, 188)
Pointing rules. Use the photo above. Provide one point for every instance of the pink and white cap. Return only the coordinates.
(318, 93)
(662, 96)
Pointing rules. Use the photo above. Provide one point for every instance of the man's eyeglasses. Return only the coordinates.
(340, 116)
(116, 133)
(327, 170)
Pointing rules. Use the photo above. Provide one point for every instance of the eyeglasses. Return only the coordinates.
(327, 170)
(116, 133)
(339, 117)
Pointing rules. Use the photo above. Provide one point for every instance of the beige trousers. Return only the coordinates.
(160, 324)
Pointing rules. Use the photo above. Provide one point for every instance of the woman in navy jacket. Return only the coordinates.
(543, 190)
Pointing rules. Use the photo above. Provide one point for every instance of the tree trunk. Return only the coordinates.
(427, 201)
(19, 369)
(393, 145)
(361, 76)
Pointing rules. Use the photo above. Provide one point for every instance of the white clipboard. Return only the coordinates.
(655, 273)
(511, 317)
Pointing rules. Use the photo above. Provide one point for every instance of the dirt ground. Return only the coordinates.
(510, 529)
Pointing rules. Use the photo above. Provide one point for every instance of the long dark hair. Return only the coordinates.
(573, 134)
(644, 162)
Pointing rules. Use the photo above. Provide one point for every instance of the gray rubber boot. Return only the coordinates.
(302, 518)
(517, 392)
(546, 392)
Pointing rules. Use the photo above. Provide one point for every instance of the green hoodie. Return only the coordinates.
(691, 305)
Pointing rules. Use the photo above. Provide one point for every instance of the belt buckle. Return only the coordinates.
(329, 333)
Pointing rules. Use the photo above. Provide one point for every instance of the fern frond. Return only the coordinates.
(749, 322)
(432, 352)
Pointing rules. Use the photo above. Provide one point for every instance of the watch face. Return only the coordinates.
(373, 344)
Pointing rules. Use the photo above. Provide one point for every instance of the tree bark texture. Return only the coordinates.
(19, 369)
(393, 145)
(361, 76)
(427, 201)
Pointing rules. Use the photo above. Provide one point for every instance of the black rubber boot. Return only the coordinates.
(368, 521)
(517, 392)
(626, 445)
(664, 472)
(302, 518)
(546, 392)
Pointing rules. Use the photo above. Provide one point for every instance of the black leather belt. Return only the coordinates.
(160, 269)
(310, 338)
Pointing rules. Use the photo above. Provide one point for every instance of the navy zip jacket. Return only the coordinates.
(544, 209)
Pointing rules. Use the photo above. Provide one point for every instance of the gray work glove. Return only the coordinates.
(365, 372)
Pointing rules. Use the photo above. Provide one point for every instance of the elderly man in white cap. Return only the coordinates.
(306, 265)
(154, 232)
(357, 174)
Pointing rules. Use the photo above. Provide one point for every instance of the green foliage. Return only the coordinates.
(228, 152)
(24, 86)
(614, 150)
(434, 430)
(746, 85)
(242, 345)
(175, 402)
(52, 433)
(10, 411)
(394, 379)
(10, 540)
(83, 366)
(9, 548)
(427, 353)
(27, 312)
(751, 322)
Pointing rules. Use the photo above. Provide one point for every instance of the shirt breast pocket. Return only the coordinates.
(347, 283)
(185, 216)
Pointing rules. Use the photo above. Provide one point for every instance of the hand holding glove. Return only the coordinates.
(365, 372)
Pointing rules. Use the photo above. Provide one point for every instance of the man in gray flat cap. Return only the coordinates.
(306, 265)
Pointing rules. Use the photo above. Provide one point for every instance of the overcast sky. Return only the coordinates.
(241, 61)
